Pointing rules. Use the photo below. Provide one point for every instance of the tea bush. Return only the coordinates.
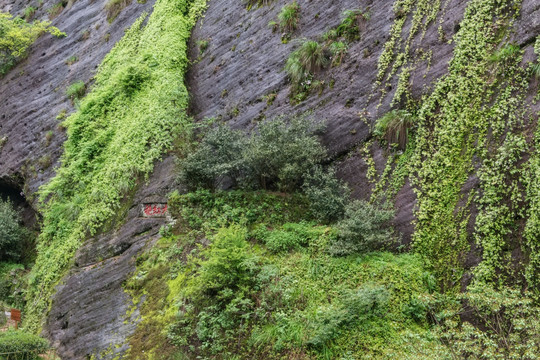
(26, 346)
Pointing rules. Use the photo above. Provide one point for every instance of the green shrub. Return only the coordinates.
(282, 153)
(288, 17)
(76, 90)
(12, 234)
(309, 58)
(395, 126)
(327, 195)
(278, 156)
(114, 8)
(16, 36)
(219, 156)
(364, 228)
(535, 68)
(505, 54)
(258, 3)
(29, 12)
(72, 60)
(56, 9)
(26, 346)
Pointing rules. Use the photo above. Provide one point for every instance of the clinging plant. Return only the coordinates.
(394, 127)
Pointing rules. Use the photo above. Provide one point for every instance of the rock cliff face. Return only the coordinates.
(231, 80)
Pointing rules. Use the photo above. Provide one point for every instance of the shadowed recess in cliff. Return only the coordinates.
(131, 116)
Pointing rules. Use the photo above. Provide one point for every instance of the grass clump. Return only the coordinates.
(288, 17)
(115, 7)
(394, 127)
(258, 3)
(305, 61)
(132, 115)
(56, 9)
(72, 60)
(29, 13)
(349, 28)
(76, 90)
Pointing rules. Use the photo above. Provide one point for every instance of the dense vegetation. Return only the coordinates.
(267, 256)
(131, 115)
(16, 35)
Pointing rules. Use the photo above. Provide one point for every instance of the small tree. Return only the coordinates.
(364, 228)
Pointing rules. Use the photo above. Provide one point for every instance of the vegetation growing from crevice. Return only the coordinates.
(16, 36)
(313, 56)
(133, 112)
(115, 7)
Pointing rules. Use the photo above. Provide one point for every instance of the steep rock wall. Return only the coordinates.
(243, 63)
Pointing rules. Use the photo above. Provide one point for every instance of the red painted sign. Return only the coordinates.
(154, 210)
(15, 315)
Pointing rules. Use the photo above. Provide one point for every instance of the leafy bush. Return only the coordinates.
(282, 153)
(394, 127)
(309, 58)
(218, 157)
(505, 54)
(338, 50)
(217, 297)
(364, 228)
(12, 234)
(16, 36)
(327, 195)
(76, 90)
(26, 346)
(276, 157)
(288, 17)
(115, 7)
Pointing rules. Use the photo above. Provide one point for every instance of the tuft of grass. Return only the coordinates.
(48, 137)
(115, 7)
(309, 58)
(394, 127)
(202, 45)
(289, 16)
(505, 54)
(56, 9)
(72, 60)
(29, 13)
(258, 3)
(536, 70)
(350, 25)
(338, 50)
(76, 90)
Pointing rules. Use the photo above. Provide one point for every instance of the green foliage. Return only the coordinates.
(349, 27)
(364, 228)
(203, 45)
(76, 90)
(12, 285)
(25, 345)
(202, 209)
(327, 195)
(251, 3)
(278, 156)
(12, 234)
(503, 324)
(394, 127)
(56, 9)
(218, 157)
(288, 17)
(282, 153)
(338, 50)
(29, 12)
(291, 236)
(135, 110)
(16, 36)
(72, 60)
(359, 305)
(505, 54)
(305, 61)
(114, 8)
